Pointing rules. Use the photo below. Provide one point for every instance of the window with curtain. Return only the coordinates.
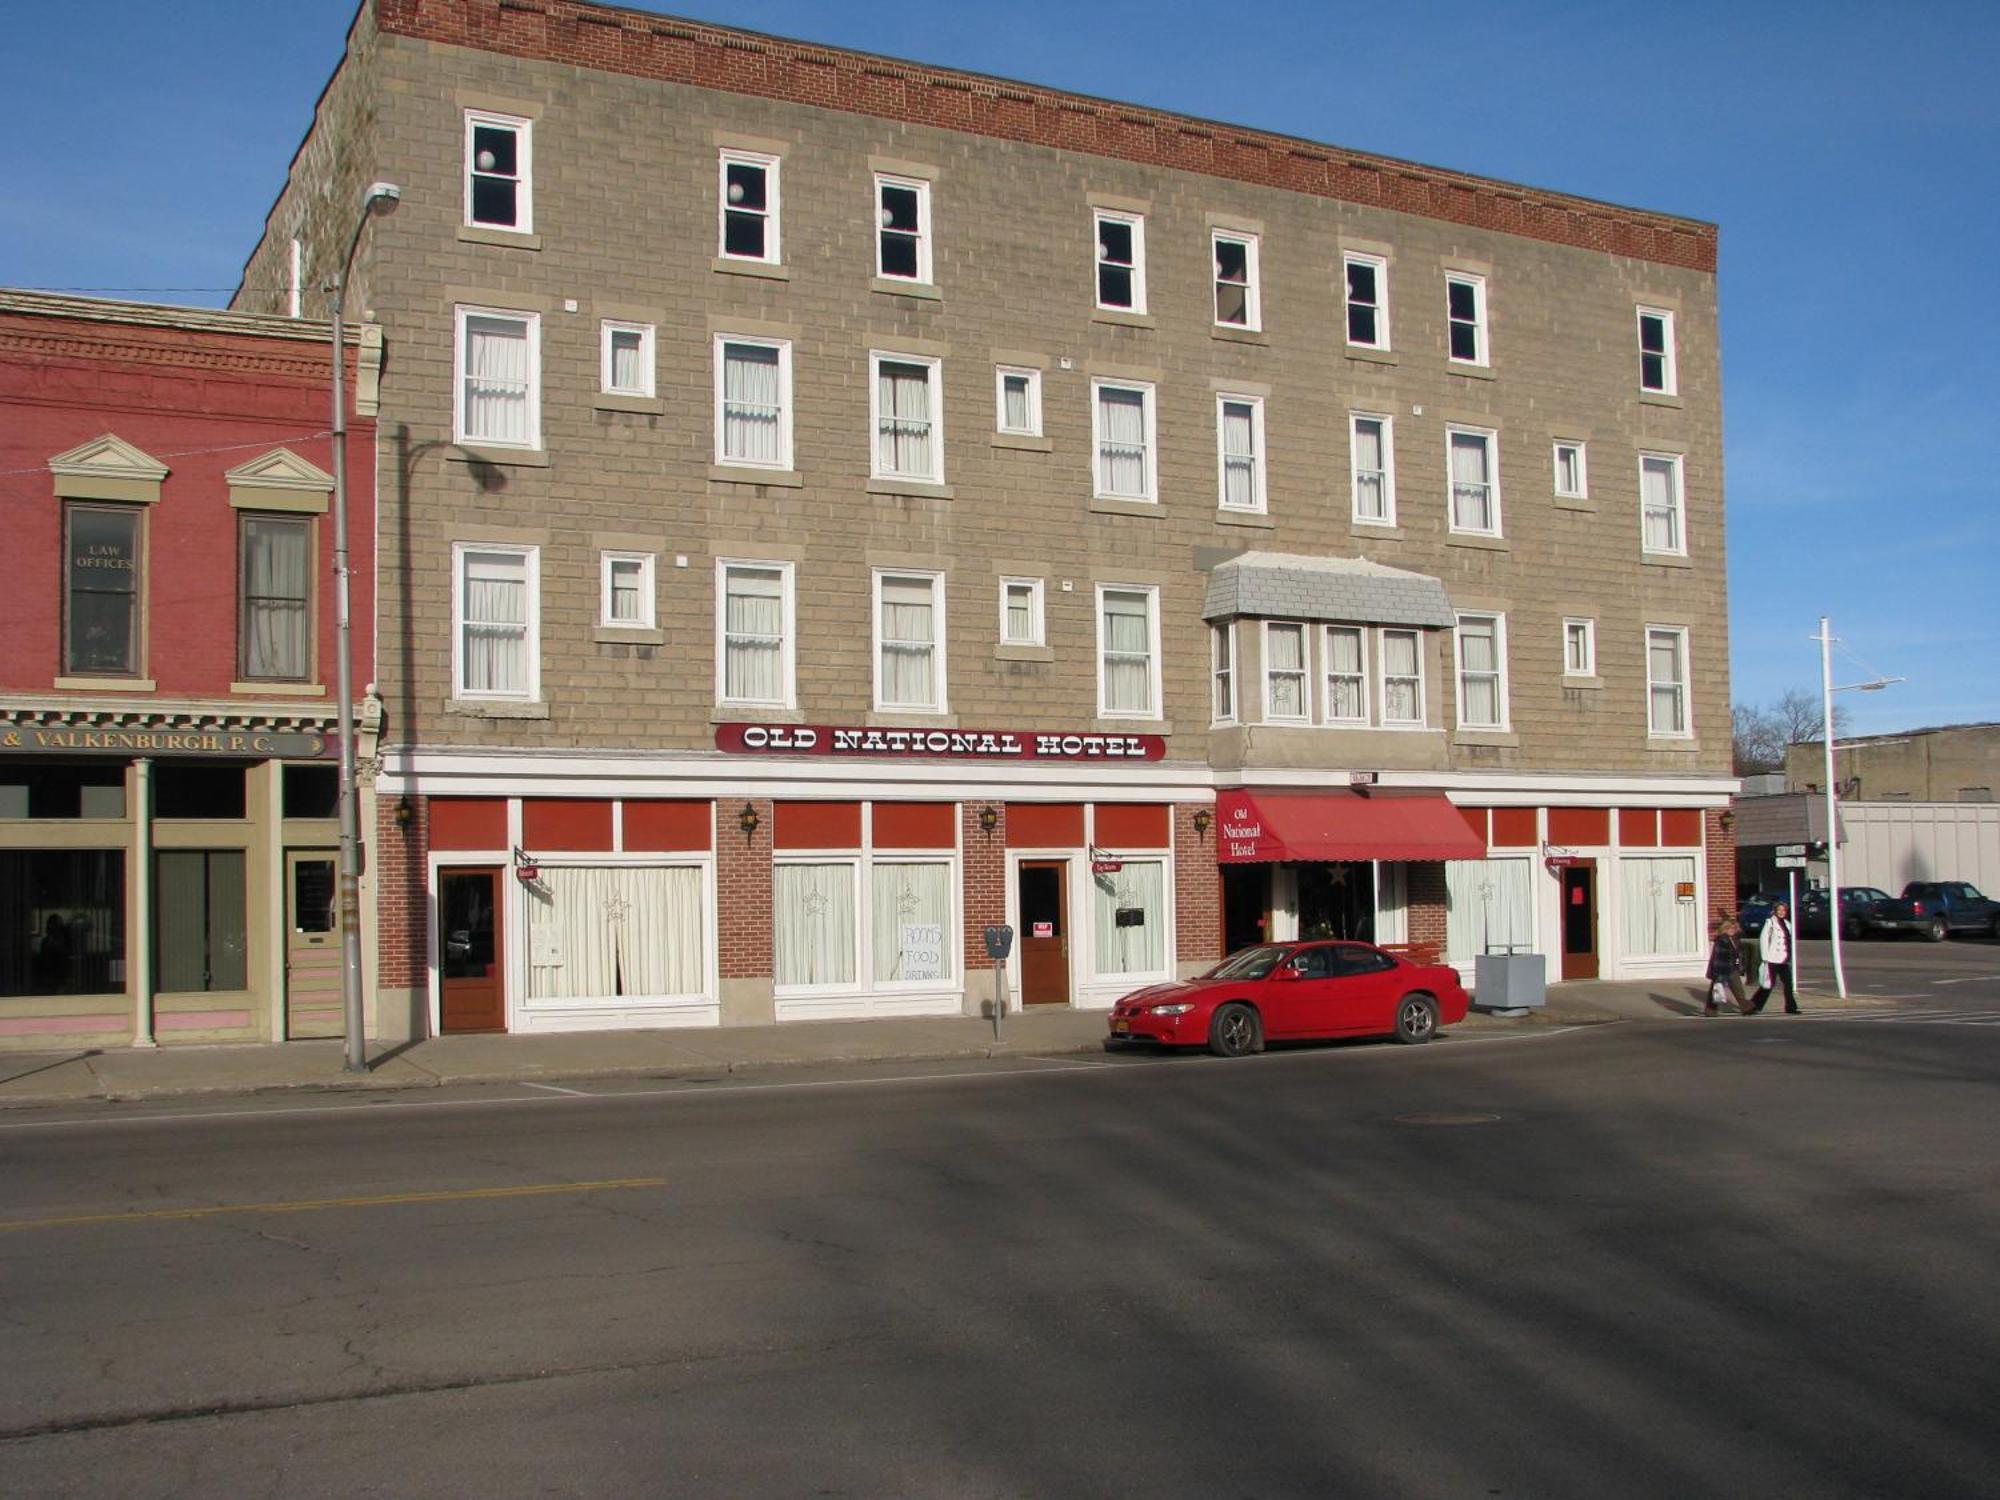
(1222, 658)
(754, 380)
(497, 379)
(1372, 498)
(1481, 702)
(913, 939)
(1402, 677)
(813, 923)
(1021, 611)
(1657, 922)
(1124, 464)
(753, 635)
(628, 359)
(1239, 424)
(907, 640)
(1284, 671)
(1139, 944)
(1580, 648)
(1346, 675)
(1660, 503)
(906, 445)
(101, 567)
(1020, 401)
(616, 932)
(1570, 478)
(1126, 677)
(275, 626)
(627, 595)
(1666, 682)
(1474, 506)
(1489, 907)
(200, 936)
(495, 625)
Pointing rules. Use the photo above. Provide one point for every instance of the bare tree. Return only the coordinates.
(1798, 715)
(1757, 740)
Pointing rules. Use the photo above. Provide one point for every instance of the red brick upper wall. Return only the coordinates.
(646, 45)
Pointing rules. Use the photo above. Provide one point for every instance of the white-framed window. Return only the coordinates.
(1367, 299)
(1017, 400)
(906, 413)
(1482, 671)
(1237, 298)
(1667, 682)
(1021, 612)
(656, 950)
(1239, 455)
(816, 923)
(747, 206)
(1128, 651)
(1657, 373)
(1123, 428)
(625, 590)
(1371, 445)
(1662, 511)
(909, 641)
(1222, 671)
(1475, 480)
(499, 386)
(1286, 698)
(903, 235)
(1343, 654)
(1579, 648)
(874, 921)
(1465, 315)
(1135, 948)
(755, 633)
(1489, 907)
(753, 401)
(625, 365)
(499, 186)
(1657, 923)
(496, 621)
(1400, 654)
(1572, 477)
(1121, 261)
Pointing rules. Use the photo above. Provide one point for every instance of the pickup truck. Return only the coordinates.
(1937, 908)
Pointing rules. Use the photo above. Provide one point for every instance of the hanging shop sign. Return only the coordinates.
(36, 739)
(939, 744)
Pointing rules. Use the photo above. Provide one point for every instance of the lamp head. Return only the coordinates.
(381, 198)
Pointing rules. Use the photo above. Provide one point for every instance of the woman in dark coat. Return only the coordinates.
(1725, 967)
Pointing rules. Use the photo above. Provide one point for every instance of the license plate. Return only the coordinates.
(1121, 1027)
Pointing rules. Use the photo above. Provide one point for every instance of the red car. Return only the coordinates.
(1285, 992)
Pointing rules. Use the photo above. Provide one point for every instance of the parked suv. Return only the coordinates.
(1937, 908)
(1857, 911)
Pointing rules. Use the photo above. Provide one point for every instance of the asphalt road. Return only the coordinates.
(1748, 1256)
(1961, 972)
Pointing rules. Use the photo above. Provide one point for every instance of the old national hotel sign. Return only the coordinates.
(122, 739)
(938, 744)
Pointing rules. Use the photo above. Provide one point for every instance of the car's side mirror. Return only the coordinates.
(1286, 973)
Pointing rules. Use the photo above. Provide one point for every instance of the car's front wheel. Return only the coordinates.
(1235, 1031)
(1416, 1019)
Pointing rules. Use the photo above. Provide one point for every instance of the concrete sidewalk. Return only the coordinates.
(122, 1073)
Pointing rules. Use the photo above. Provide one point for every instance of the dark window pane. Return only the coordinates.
(467, 917)
(1464, 302)
(1232, 260)
(1652, 372)
(1232, 304)
(89, 790)
(101, 574)
(1114, 241)
(198, 925)
(312, 895)
(899, 208)
(1360, 282)
(1114, 286)
(899, 255)
(493, 201)
(62, 922)
(194, 789)
(312, 791)
(493, 150)
(1464, 341)
(1360, 324)
(743, 234)
(746, 186)
(1653, 335)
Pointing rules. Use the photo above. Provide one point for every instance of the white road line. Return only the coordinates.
(1970, 979)
(554, 1088)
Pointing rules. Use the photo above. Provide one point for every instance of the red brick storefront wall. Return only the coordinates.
(1197, 887)
(402, 894)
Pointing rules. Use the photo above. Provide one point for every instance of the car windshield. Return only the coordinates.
(1249, 963)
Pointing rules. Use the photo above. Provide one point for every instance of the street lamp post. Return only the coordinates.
(1827, 690)
(381, 198)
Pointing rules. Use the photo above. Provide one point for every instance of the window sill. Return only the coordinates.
(1658, 398)
(108, 684)
(280, 689)
(1472, 372)
(652, 406)
(763, 269)
(1387, 530)
(1256, 520)
(788, 479)
(1024, 442)
(1232, 335)
(512, 458)
(489, 234)
(1369, 356)
(1580, 503)
(1665, 560)
(1121, 318)
(754, 713)
(1477, 542)
(1005, 652)
(1582, 684)
(920, 489)
(499, 708)
(923, 291)
(1505, 738)
(1106, 724)
(909, 718)
(1104, 505)
(1671, 744)
(628, 635)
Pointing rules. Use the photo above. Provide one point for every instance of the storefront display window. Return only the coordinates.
(1488, 908)
(1658, 921)
(62, 921)
(199, 933)
(912, 922)
(1129, 918)
(615, 932)
(813, 923)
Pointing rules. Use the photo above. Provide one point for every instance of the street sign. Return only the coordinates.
(1790, 861)
(1790, 851)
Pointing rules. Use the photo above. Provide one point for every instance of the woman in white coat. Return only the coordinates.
(1774, 951)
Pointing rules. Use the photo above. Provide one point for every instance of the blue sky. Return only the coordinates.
(1846, 149)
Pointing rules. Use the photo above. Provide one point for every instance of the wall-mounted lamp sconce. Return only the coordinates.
(1203, 821)
(1728, 821)
(406, 814)
(989, 819)
(748, 821)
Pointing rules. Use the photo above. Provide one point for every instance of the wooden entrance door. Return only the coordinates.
(312, 944)
(1044, 904)
(472, 993)
(1579, 920)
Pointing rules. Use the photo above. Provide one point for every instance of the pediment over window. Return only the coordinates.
(108, 468)
(280, 480)
(1296, 586)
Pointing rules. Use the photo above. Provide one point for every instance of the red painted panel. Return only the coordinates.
(1638, 827)
(468, 822)
(1579, 827)
(657, 827)
(1122, 825)
(1680, 827)
(915, 825)
(1514, 828)
(550, 823)
(1044, 825)
(1475, 819)
(817, 825)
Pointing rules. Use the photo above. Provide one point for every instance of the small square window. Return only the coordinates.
(749, 207)
(626, 368)
(1572, 480)
(625, 597)
(1017, 400)
(1021, 612)
(498, 188)
(1465, 305)
(1367, 301)
(1656, 352)
(903, 238)
(1121, 262)
(1236, 289)
(1579, 648)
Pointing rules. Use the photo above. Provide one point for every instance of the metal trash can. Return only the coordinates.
(1509, 981)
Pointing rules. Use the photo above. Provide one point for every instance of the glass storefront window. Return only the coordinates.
(62, 921)
(912, 921)
(199, 934)
(1489, 907)
(1130, 918)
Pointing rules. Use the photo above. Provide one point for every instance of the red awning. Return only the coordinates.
(1262, 827)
